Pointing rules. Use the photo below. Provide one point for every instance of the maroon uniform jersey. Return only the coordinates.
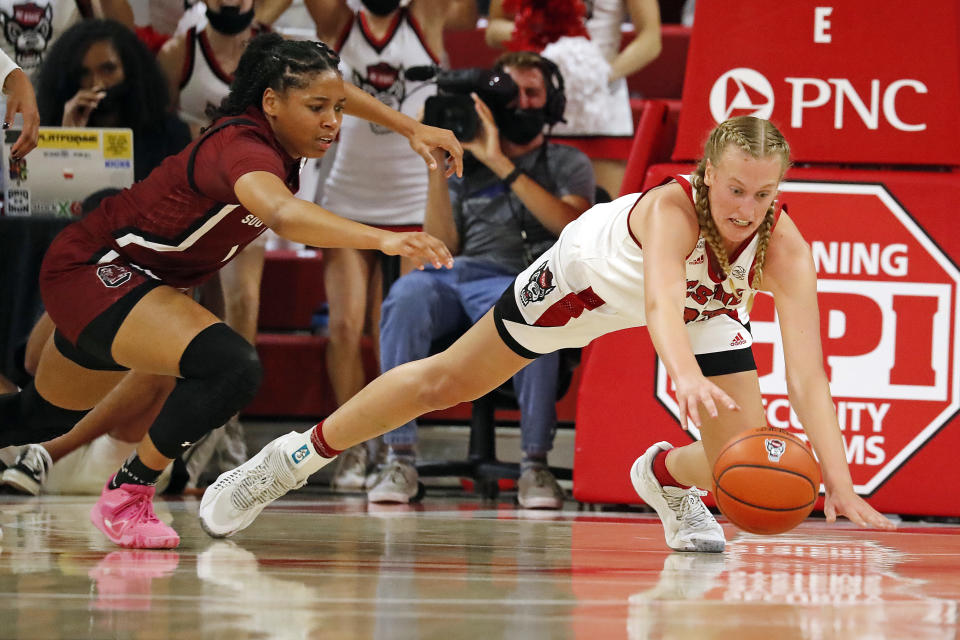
(184, 222)
(178, 226)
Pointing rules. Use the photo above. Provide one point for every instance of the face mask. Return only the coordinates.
(229, 21)
(381, 7)
(111, 104)
(520, 126)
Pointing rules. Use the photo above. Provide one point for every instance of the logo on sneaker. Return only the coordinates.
(775, 448)
(114, 530)
(738, 341)
(300, 454)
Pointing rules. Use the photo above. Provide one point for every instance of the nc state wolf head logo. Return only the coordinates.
(113, 275)
(540, 284)
(775, 448)
(385, 83)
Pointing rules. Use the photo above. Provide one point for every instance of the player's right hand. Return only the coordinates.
(697, 390)
(420, 247)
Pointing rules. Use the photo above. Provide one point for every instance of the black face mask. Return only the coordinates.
(111, 105)
(520, 126)
(381, 7)
(229, 21)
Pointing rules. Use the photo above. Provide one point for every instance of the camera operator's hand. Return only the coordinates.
(426, 139)
(486, 146)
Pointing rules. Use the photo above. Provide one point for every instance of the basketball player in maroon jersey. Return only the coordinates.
(113, 282)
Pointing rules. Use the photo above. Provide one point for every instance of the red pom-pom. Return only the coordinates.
(537, 23)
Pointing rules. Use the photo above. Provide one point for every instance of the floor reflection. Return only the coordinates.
(332, 567)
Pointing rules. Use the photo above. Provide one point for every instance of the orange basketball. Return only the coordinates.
(766, 480)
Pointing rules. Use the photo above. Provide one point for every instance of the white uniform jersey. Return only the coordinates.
(591, 283)
(203, 83)
(376, 177)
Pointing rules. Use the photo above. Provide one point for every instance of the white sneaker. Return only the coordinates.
(397, 482)
(29, 473)
(237, 497)
(538, 489)
(351, 473)
(687, 523)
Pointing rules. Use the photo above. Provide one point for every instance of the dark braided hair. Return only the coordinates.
(272, 61)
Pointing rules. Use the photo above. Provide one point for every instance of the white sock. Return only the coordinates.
(303, 458)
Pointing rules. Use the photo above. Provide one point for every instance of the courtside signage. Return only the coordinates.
(888, 323)
(854, 81)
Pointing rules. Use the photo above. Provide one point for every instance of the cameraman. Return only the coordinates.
(517, 193)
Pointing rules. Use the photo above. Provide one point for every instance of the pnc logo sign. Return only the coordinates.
(741, 92)
(889, 320)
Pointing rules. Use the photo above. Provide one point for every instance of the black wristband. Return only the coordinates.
(513, 175)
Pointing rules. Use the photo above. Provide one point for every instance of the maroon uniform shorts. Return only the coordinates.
(88, 301)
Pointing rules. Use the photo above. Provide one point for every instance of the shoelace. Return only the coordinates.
(394, 473)
(141, 507)
(264, 483)
(542, 477)
(689, 508)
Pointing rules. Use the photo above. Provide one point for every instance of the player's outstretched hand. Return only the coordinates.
(426, 138)
(418, 246)
(696, 391)
(847, 503)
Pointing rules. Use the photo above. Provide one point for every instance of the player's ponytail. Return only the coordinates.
(272, 61)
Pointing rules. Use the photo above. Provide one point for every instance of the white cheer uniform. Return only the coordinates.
(203, 83)
(590, 283)
(376, 177)
(604, 21)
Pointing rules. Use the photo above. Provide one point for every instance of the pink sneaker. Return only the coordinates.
(125, 515)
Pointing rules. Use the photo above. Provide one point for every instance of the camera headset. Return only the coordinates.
(556, 97)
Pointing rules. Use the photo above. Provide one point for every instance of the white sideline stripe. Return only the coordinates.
(230, 253)
(132, 238)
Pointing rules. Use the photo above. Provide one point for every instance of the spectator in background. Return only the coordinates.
(515, 197)
(375, 178)
(594, 69)
(98, 74)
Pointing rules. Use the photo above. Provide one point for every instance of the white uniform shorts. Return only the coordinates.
(542, 312)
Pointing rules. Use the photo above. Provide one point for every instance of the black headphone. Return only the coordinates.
(556, 98)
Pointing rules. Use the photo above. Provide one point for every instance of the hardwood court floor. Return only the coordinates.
(321, 566)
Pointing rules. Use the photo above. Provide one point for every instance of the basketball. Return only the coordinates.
(766, 480)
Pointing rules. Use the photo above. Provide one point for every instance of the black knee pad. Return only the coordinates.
(27, 417)
(221, 373)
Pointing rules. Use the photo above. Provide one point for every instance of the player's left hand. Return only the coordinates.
(20, 98)
(847, 503)
(425, 139)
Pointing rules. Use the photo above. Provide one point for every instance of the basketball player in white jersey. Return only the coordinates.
(685, 259)
(374, 178)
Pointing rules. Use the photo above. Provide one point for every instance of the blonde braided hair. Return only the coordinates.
(758, 138)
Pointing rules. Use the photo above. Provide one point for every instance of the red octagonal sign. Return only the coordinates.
(888, 322)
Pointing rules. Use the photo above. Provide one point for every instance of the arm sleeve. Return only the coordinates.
(6, 66)
(230, 154)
